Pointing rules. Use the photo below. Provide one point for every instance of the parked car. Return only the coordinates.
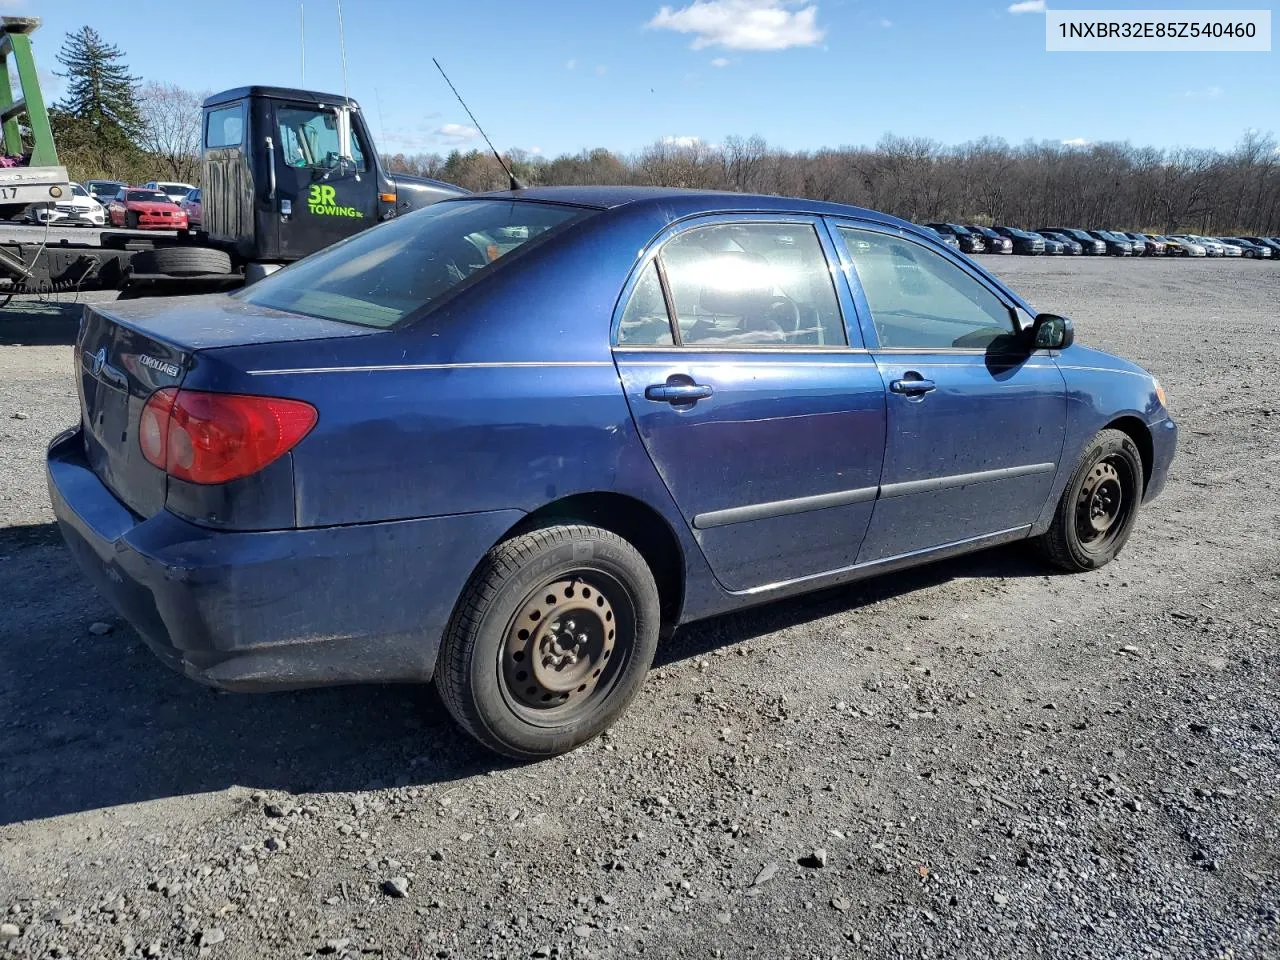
(141, 209)
(1247, 248)
(969, 242)
(1228, 249)
(1024, 242)
(1183, 246)
(1117, 246)
(174, 191)
(1069, 244)
(1212, 248)
(996, 243)
(1144, 245)
(190, 205)
(621, 469)
(949, 239)
(103, 190)
(74, 208)
(1053, 248)
(1090, 244)
(1270, 244)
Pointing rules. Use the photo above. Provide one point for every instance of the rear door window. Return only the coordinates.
(752, 284)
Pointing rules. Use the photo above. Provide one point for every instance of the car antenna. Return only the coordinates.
(515, 184)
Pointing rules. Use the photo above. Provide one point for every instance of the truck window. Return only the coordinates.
(309, 138)
(225, 127)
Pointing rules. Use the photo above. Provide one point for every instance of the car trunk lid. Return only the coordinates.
(125, 352)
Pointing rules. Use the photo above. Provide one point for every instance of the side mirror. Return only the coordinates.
(1052, 332)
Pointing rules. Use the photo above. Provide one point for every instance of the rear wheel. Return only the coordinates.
(1097, 510)
(550, 641)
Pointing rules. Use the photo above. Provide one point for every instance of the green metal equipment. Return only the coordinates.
(15, 41)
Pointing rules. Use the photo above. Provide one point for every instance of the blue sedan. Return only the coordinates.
(511, 440)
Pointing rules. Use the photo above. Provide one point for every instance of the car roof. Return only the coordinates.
(689, 201)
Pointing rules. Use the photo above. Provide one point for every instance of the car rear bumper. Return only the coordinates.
(1164, 446)
(272, 610)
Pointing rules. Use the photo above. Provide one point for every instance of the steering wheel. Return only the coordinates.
(786, 314)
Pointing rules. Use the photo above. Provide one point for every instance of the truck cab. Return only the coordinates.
(288, 172)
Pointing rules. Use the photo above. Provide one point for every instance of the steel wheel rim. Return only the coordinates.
(1105, 502)
(565, 647)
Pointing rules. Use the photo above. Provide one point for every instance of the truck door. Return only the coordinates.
(325, 189)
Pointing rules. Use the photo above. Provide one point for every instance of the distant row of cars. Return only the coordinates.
(157, 205)
(1072, 241)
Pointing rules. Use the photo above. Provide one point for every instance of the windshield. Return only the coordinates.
(379, 277)
(146, 196)
(957, 229)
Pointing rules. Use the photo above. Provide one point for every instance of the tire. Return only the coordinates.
(131, 220)
(1097, 510)
(182, 261)
(590, 613)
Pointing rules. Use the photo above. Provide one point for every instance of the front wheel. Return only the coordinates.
(1097, 510)
(550, 641)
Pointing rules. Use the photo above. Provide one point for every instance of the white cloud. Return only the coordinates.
(1076, 142)
(743, 24)
(721, 62)
(569, 65)
(601, 70)
(1028, 6)
(682, 141)
(455, 133)
(886, 22)
(1208, 93)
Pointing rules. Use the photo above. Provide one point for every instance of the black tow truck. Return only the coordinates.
(285, 173)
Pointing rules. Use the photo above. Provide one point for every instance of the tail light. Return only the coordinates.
(216, 437)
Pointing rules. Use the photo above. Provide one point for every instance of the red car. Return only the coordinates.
(140, 209)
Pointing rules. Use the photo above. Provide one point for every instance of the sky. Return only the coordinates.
(559, 76)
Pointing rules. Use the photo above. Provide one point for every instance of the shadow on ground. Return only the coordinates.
(28, 322)
(88, 722)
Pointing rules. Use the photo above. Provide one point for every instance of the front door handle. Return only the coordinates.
(677, 392)
(913, 388)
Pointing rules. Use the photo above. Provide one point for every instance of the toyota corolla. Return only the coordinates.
(511, 441)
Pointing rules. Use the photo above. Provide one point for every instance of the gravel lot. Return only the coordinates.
(974, 759)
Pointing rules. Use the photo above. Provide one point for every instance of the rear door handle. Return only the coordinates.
(677, 392)
(913, 387)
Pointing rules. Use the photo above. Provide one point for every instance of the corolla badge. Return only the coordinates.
(161, 366)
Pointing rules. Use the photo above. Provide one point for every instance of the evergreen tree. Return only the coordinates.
(100, 89)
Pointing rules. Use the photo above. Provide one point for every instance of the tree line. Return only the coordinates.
(1098, 186)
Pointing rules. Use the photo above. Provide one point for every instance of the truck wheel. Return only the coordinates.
(550, 641)
(182, 261)
(1096, 512)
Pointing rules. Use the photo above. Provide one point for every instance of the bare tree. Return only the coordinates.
(171, 128)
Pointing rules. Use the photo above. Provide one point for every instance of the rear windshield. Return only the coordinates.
(380, 276)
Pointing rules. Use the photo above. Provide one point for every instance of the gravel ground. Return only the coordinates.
(974, 759)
